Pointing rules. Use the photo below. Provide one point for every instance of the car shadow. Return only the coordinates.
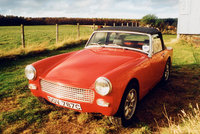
(181, 92)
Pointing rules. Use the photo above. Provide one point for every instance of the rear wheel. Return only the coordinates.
(167, 72)
(127, 108)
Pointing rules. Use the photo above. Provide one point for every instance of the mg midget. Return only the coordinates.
(116, 69)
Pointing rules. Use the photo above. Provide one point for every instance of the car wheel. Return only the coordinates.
(127, 108)
(167, 72)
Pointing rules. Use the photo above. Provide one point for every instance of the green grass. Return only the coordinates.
(37, 37)
(14, 84)
(188, 122)
(169, 37)
(20, 111)
(185, 53)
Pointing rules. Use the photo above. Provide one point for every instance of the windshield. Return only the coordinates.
(120, 40)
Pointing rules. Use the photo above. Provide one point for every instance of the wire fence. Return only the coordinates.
(16, 40)
(77, 29)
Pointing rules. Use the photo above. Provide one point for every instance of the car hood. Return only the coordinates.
(82, 68)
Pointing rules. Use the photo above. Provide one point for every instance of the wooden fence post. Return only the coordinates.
(122, 24)
(132, 24)
(136, 23)
(127, 24)
(93, 26)
(104, 24)
(22, 36)
(114, 24)
(78, 30)
(57, 34)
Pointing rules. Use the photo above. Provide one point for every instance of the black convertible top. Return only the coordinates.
(132, 29)
(135, 29)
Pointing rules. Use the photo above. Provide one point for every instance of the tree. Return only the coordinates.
(150, 20)
(160, 24)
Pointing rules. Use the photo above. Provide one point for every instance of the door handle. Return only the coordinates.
(163, 54)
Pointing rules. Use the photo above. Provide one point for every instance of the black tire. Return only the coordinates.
(126, 111)
(167, 72)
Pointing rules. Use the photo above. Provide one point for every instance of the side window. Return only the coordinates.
(99, 38)
(157, 45)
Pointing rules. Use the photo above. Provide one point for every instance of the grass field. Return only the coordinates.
(20, 112)
(38, 38)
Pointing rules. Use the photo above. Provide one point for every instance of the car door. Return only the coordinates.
(157, 59)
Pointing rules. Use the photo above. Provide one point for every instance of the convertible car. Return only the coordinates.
(116, 69)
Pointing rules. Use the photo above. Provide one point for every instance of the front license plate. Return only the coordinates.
(65, 103)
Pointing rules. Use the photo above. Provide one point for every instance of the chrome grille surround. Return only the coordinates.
(66, 92)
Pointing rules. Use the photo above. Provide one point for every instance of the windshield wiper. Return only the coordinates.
(112, 45)
(115, 45)
(96, 44)
(99, 44)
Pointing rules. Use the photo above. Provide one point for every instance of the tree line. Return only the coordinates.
(148, 20)
(15, 21)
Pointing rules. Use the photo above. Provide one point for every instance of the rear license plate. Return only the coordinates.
(65, 103)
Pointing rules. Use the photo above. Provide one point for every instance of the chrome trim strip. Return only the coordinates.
(151, 46)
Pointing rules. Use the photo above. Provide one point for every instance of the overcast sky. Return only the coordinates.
(90, 8)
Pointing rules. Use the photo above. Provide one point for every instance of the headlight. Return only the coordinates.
(103, 86)
(30, 72)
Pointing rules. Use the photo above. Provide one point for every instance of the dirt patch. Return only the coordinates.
(8, 104)
(182, 91)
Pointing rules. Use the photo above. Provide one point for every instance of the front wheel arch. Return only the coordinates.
(133, 83)
(119, 118)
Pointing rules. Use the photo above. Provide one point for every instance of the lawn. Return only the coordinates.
(21, 112)
(38, 38)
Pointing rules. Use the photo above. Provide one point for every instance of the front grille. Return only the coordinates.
(65, 92)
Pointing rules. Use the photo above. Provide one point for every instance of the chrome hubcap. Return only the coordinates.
(167, 71)
(130, 104)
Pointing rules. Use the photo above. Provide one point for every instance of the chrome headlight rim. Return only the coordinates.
(30, 67)
(107, 82)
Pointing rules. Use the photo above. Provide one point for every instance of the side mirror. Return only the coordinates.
(145, 48)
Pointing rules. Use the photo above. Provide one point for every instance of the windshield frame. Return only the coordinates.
(122, 47)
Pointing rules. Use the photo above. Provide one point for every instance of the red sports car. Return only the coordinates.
(117, 68)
